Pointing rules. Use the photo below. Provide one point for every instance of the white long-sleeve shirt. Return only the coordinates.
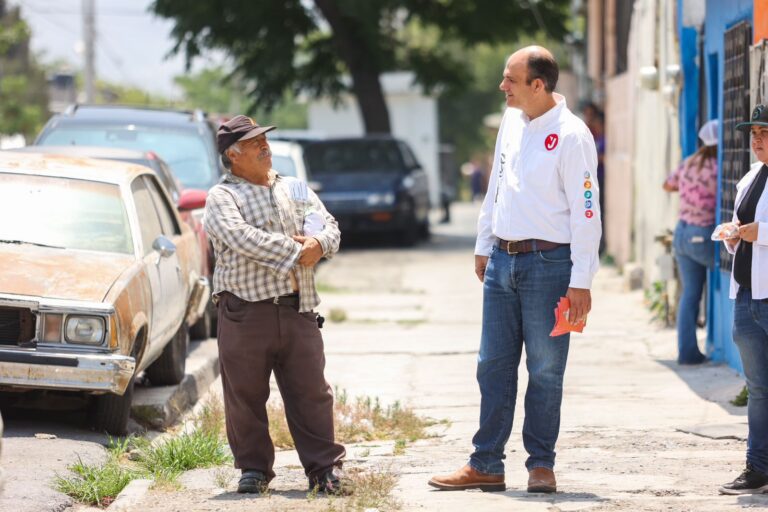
(543, 185)
(759, 246)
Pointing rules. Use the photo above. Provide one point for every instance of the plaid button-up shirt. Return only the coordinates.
(251, 227)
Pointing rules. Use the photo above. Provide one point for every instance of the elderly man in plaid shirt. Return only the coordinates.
(265, 289)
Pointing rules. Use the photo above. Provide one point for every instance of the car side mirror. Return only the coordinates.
(192, 199)
(165, 247)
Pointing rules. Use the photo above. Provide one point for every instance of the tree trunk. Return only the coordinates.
(365, 72)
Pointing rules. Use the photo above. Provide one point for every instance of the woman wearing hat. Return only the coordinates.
(749, 286)
(696, 180)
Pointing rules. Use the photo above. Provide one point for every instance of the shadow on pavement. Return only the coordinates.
(717, 383)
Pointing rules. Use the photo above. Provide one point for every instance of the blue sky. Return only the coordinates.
(132, 44)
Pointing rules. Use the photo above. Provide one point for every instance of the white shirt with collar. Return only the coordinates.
(543, 185)
(759, 246)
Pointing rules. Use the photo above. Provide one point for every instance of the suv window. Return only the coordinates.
(188, 152)
(354, 156)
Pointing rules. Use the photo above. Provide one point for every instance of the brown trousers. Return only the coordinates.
(255, 339)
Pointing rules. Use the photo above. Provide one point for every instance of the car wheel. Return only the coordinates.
(409, 235)
(201, 329)
(169, 368)
(424, 233)
(110, 412)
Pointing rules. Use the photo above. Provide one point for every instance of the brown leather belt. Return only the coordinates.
(530, 245)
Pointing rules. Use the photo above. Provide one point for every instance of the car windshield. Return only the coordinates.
(353, 156)
(65, 213)
(185, 151)
(283, 165)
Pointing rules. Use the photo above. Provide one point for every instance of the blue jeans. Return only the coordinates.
(750, 332)
(520, 293)
(694, 252)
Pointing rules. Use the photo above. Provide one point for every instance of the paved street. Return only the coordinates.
(412, 334)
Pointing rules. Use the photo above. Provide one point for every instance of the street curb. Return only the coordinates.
(130, 496)
(159, 407)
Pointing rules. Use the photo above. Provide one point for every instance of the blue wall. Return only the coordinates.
(721, 15)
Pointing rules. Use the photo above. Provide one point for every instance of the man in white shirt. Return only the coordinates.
(538, 238)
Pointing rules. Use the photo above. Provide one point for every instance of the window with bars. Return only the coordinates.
(738, 40)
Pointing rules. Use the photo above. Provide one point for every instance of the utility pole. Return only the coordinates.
(89, 40)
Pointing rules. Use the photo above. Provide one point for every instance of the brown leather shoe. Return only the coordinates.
(541, 480)
(468, 478)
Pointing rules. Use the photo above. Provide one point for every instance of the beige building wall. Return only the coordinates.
(653, 53)
(619, 177)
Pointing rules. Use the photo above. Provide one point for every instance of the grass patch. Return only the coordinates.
(373, 490)
(741, 399)
(95, 484)
(211, 416)
(197, 449)
(411, 322)
(131, 457)
(358, 420)
(399, 448)
(337, 315)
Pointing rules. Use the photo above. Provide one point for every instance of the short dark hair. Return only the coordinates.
(544, 67)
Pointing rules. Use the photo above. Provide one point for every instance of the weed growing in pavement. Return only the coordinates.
(190, 450)
(741, 399)
(358, 420)
(211, 416)
(95, 484)
(373, 490)
(399, 448)
(337, 315)
(224, 476)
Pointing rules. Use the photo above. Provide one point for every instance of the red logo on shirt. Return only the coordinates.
(589, 214)
(551, 141)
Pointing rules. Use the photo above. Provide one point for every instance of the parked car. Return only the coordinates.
(99, 279)
(370, 184)
(288, 159)
(181, 197)
(183, 139)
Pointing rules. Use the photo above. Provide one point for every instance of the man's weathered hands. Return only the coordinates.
(311, 250)
(480, 263)
(748, 232)
(581, 304)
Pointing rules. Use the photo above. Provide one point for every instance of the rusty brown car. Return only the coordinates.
(99, 280)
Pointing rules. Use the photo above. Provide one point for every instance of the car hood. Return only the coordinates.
(59, 273)
(359, 181)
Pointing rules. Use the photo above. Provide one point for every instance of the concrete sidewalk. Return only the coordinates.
(412, 336)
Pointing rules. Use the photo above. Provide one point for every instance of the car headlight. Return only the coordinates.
(88, 330)
(408, 182)
(377, 199)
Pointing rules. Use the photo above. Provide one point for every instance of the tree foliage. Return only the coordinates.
(23, 87)
(293, 46)
(218, 91)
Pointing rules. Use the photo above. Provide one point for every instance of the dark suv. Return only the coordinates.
(370, 184)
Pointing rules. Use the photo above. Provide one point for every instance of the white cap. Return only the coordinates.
(708, 133)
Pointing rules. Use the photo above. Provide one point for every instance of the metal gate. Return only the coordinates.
(735, 110)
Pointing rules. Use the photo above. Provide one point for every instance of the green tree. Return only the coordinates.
(23, 87)
(217, 91)
(309, 46)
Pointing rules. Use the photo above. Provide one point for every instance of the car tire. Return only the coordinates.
(424, 232)
(169, 368)
(110, 412)
(409, 235)
(201, 329)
